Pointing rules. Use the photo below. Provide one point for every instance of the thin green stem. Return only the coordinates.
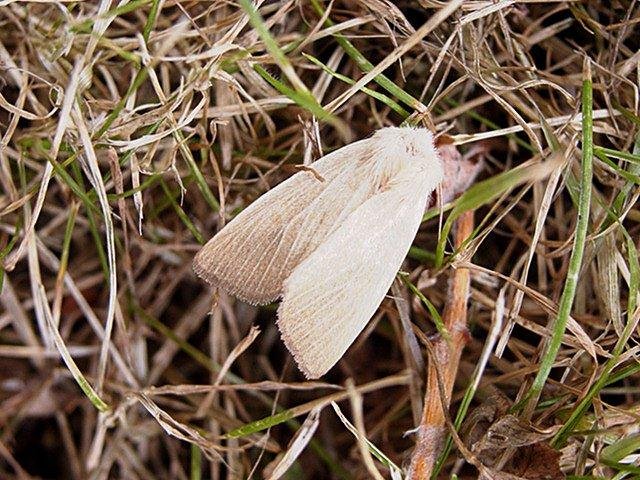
(575, 262)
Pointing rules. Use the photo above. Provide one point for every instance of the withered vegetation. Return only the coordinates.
(130, 132)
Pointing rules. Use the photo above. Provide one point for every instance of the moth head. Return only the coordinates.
(412, 141)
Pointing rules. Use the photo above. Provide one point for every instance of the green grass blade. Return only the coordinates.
(575, 261)
(148, 183)
(485, 192)
(372, 93)
(185, 346)
(366, 66)
(375, 451)
(421, 255)
(617, 451)
(182, 214)
(299, 93)
(93, 223)
(262, 424)
(77, 375)
(629, 177)
(151, 20)
(437, 319)
(87, 198)
(139, 79)
(87, 25)
(609, 152)
(303, 100)
(621, 198)
(273, 48)
(66, 242)
(604, 378)
(196, 462)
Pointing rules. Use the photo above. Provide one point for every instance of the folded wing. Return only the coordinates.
(252, 255)
(330, 296)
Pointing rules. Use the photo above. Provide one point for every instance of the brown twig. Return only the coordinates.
(446, 357)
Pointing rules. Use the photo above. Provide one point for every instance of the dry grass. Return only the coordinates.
(129, 133)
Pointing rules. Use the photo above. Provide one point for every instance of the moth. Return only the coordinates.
(329, 240)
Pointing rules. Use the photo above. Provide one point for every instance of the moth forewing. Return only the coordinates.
(253, 254)
(329, 298)
(245, 246)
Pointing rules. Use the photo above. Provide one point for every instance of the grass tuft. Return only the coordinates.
(131, 132)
